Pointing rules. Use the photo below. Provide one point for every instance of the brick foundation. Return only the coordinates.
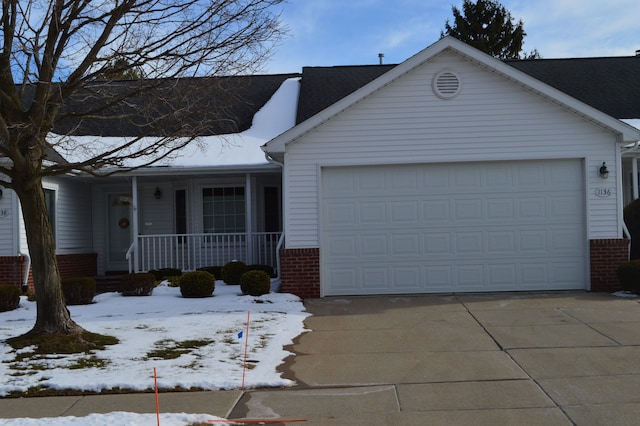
(606, 256)
(12, 270)
(300, 272)
(70, 266)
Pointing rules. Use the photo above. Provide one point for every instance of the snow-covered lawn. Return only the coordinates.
(190, 342)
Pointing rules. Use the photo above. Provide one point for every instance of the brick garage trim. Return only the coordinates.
(606, 255)
(300, 272)
(300, 268)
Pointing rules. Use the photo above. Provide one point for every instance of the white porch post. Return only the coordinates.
(134, 226)
(248, 218)
(634, 168)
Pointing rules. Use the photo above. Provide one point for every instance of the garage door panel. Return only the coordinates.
(499, 209)
(374, 278)
(469, 277)
(469, 227)
(404, 213)
(407, 278)
(534, 274)
(373, 245)
(405, 245)
(501, 242)
(438, 244)
(436, 211)
(469, 243)
(373, 213)
(467, 210)
(501, 275)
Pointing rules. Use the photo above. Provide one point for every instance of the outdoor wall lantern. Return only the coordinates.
(158, 194)
(604, 172)
(1, 194)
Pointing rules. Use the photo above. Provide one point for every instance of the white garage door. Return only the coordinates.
(490, 226)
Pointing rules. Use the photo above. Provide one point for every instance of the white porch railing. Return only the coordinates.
(188, 252)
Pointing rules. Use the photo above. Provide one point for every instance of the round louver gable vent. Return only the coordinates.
(446, 84)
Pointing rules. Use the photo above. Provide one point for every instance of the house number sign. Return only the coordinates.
(4, 213)
(603, 192)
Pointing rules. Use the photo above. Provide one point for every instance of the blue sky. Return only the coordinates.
(353, 32)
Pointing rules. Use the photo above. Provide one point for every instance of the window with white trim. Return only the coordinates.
(223, 209)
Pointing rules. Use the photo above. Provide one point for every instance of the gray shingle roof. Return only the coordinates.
(201, 106)
(227, 104)
(611, 84)
(321, 87)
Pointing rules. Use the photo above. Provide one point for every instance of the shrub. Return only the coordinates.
(137, 284)
(632, 220)
(164, 273)
(232, 271)
(197, 284)
(78, 291)
(629, 276)
(266, 268)
(216, 271)
(255, 283)
(9, 297)
(173, 281)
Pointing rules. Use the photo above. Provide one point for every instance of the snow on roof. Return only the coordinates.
(635, 122)
(239, 149)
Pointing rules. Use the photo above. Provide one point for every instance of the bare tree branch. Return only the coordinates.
(54, 59)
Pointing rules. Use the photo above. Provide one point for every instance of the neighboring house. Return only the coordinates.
(450, 172)
(219, 200)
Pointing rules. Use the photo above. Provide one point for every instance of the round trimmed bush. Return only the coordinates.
(9, 297)
(255, 283)
(78, 291)
(232, 271)
(137, 284)
(629, 276)
(197, 284)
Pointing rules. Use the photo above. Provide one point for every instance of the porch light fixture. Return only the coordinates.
(1, 194)
(158, 194)
(604, 172)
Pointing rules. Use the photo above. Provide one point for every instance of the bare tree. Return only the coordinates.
(54, 57)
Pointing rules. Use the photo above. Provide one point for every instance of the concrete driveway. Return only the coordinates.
(483, 359)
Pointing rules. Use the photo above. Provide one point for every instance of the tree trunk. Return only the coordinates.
(52, 313)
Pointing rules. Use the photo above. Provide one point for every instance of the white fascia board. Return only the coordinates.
(199, 170)
(626, 132)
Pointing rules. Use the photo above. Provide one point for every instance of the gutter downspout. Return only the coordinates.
(281, 239)
(25, 282)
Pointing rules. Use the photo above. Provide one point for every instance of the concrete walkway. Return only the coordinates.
(483, 359)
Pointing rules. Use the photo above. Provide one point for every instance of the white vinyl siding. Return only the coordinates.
(9, 214)
(492, 119)
(73, 224)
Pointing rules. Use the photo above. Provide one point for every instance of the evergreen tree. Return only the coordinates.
(488, 26)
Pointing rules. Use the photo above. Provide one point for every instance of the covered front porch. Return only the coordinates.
(188, 218)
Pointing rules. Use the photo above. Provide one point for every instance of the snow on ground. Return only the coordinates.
(115, 419)
(163, 320)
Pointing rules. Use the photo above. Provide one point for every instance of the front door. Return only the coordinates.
(120, 230)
